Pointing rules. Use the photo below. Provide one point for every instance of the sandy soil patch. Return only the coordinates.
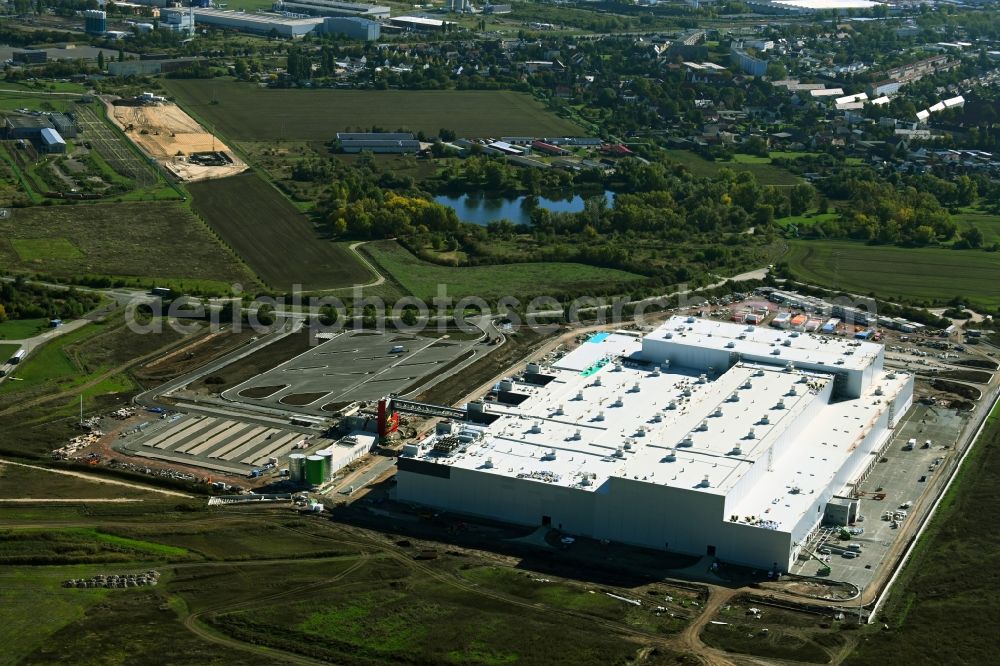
(169, 135)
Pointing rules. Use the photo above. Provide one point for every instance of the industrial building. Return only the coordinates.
(64, 125)
(811, 6)
(52, 142)
(31, 56)
(260, 23)
(378, 142)
(704, 437)
(178, 20)
(418, 23)
(95, 22)
(25, 127)
(352, 27)
(332, 8)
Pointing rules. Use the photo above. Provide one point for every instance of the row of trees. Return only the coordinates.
(20, 300)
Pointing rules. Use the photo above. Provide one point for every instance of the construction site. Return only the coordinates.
(175, 140)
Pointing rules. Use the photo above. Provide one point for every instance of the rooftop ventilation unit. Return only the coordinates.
(628, 445)
(668, 335)
(703, 425)
(506, 385)
(687, 392)
(718, 412)
(878, 390)
(665, 365)
(600, 416)
(737, 450)
(672, 404)
(733, 397)
(618, 367)
(618, 402)
(579, 395)
(688, 441)
(655, 372)
(597, 382)
(670, 457)
(751, 434)
(792, 391)
(641, 432)
(789, 367)
(765, 420)
(488, 464)
(705, 483)
(619, 452)
(549, 455)
(787, 343)
(746, 385)
(560, 411)
(795, 490)
(759, 372)
(534, 368)
(536, 427)
(775, 352)
(730, 344)
(635, 387)
(690, 320)
(585, 481)
(780, 405)
(702, 378)
(657, 418)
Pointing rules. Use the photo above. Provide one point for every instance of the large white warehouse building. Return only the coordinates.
(703, 437)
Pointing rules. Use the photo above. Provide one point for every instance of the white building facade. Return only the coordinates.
(679, 441)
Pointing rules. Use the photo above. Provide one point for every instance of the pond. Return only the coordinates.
(479, 209)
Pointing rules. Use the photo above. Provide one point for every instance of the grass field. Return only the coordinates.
(6, 351)
(51, 363)
(153, 242)
(944, 608)
(245, 112)
(82, 362)
(45, 249)
(422, 278)
(988, 223)
(21, 329)
(27, 482)
(765, 172)
(33, 606)
(273, 237)
(935, 275)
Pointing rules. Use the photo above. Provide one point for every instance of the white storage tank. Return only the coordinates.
(296, 467)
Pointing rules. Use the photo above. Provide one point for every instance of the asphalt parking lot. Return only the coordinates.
(899, 479)
(352, 366)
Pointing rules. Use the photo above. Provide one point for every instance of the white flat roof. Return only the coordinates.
(254, 17)
(835, 352)
(628, 407)
(828, 4)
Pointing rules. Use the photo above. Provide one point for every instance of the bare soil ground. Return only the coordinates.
(168, 135)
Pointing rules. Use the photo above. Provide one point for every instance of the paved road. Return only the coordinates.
(30, 344)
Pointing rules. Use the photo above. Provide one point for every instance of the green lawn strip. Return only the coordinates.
(423, 279)
(932, 274)
(21, 329)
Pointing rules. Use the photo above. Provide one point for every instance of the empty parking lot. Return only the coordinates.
(354, 366)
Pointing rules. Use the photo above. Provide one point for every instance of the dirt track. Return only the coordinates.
(168, 135)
